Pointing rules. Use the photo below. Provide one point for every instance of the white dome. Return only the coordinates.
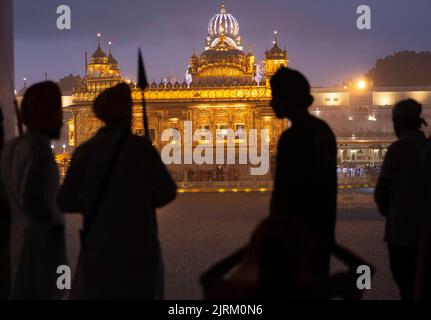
(225, 20)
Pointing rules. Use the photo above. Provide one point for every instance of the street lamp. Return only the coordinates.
(361, 84)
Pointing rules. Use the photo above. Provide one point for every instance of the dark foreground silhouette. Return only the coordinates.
(306, 171)
(400, 195)
(117, 180)
(31, 181)
(276, 265)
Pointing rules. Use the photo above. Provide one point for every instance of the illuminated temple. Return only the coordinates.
(225, 87)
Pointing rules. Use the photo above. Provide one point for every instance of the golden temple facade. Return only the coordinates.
(223, 89)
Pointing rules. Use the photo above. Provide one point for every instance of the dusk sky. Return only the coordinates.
(320, 35)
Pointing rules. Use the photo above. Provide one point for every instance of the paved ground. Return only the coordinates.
(199, 229)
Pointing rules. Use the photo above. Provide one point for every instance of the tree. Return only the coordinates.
(403, 68)
(66, 84)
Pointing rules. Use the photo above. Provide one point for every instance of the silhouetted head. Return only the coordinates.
(406, 116)
(114, 105)
(41, 109)
(282, 247)
(290, 94)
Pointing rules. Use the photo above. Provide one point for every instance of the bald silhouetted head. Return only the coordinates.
(114, 105)
(41, 109)
(290, 93)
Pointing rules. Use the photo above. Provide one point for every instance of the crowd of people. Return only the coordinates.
(358, 171)
(117, 180)
(205, 173)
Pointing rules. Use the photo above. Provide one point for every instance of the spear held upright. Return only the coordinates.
(143, 84)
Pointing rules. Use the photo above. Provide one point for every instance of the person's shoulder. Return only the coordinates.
(34, 143)
(321, 126)
(398, 150)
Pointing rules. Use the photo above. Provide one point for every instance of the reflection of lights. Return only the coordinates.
(174, 119)
(221, 190)
(350, 118)
(353, 137)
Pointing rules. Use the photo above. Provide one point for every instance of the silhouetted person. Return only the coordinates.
(276, 265)
(399, 194)
(31, 180)
(4, 230)
(306, 171)
(117, 180)
(423, 277)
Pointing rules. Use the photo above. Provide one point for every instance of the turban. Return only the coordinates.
(114, 105)
(41, 107)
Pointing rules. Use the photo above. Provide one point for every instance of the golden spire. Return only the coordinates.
(98, 39)
(222, 9)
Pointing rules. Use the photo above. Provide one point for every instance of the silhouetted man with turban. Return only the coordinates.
(400, 194)
(31, 182)
(117, 180)
(306, 183)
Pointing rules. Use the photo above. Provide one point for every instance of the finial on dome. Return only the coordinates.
(275, 37)
(110, 47)
(222, 9)
(98, 39)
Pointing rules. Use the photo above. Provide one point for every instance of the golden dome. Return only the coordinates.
(99, 56)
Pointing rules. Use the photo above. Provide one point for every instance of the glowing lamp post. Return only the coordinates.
(361, 84)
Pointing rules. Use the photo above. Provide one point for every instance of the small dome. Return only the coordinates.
(276, 52)
(99, 56)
